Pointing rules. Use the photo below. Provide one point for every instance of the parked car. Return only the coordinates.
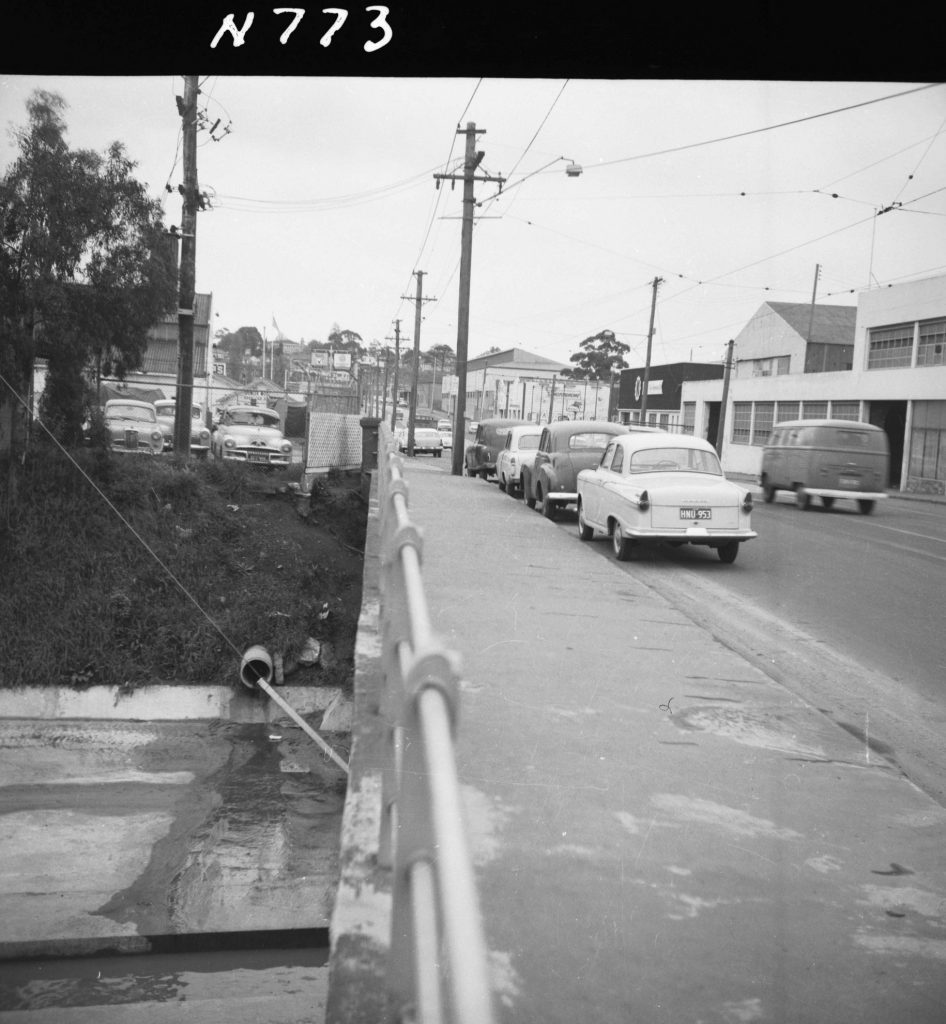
(519, 452)
(828, 459)
(251, 433)
(426, 439)
(565, 448)
(133, 427)
(200, 435)
(663, 488)
(446, 436)
(479, 458)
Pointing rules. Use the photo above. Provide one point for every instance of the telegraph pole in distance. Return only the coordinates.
(658, 281)
(721, 429)
(397, 363)
(413, 408)
(471, 161)
(185, 313)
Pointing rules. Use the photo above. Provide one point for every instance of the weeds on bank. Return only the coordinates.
(168, 580)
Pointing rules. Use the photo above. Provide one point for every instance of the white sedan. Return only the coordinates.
(663, 488)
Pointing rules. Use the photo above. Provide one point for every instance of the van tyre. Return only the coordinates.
(768, 492)
(866, 505)
(827, 503)
(802, 498)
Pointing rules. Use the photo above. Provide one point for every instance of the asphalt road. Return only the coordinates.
(843, 609)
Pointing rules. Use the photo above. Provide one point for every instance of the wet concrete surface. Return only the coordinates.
(115, 836)
(232, 986)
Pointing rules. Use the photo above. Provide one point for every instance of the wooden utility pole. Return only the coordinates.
(397, 363)
(412, 415)
(472, 160)
(721, 429)
(658, 281)
(185, 313)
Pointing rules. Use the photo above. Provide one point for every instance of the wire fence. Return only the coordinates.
(438, 967)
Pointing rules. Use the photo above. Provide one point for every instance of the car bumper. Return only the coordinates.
(563, 497)
(829, 492)
(689, 535)
(258, 458)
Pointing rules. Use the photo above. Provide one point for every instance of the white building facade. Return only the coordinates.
(896, 380)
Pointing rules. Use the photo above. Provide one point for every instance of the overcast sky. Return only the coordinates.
(324, 199)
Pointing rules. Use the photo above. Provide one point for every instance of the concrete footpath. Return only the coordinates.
(662, 833)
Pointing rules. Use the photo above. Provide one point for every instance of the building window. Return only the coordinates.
(689, 417)
(846, 410)
(762, 422)
(741, 422)
(814, 410)
(889, 346)
(927, 465)
(787, 411)
(783, 364)
(932, 347)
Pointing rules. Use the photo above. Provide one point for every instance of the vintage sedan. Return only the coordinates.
(426, 439)
(518, 453)
(479, 458)
(200, 435)
(133, 427)
(565, 448)
(251, 433)
(663, 488)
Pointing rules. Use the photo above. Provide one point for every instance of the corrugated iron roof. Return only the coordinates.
(831, 325)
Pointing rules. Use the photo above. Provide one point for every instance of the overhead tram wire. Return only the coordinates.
(766, 128)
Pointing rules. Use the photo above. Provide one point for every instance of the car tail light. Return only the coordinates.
(643, 502)
(747, 502)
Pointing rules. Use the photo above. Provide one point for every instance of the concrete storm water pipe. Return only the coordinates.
(256, 671)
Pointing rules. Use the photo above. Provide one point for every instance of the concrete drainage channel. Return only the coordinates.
(168, 819)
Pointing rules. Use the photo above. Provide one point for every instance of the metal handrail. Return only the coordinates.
(435, 906)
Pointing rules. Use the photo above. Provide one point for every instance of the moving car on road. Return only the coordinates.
(426, 439)
(519, 452)
(828, 459)
(200, 435)
(133, 427)
(480, 457)
(565, 448)
(251, 433)
(663, 487)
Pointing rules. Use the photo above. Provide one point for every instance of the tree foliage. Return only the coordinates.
(597, 357)
(85, 269)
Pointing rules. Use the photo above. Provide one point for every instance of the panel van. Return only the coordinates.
(827, 459)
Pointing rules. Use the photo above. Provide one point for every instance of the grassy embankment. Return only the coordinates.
(85, 601)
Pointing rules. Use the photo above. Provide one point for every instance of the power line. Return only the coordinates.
(767, 128)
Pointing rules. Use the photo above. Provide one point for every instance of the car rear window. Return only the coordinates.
(675, 460)
(589, 441)
(529, 442)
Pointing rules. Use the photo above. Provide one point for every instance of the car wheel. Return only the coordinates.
(802, 497)
(502, 483)
(470, 472)
(866, 505)
(621, 544)
(585, 532)
(768, 492)
(549, 508)
(527, 492)
(827, 503)
(727, 552)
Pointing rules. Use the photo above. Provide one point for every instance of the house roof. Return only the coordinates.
(517, 359)
(831, 325)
